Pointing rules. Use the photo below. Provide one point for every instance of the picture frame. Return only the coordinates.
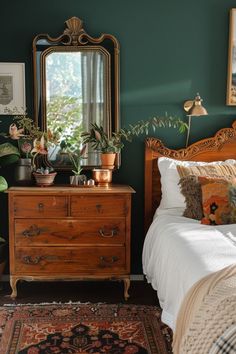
(231, 76)
(12, 88)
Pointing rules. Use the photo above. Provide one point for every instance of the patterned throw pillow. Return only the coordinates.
(218, 200)
(191, 189)
(208, 170)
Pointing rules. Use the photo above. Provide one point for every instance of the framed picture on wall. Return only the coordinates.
(12, 88)
(231, 79)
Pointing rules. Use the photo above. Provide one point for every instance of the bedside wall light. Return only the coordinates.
(194, 108)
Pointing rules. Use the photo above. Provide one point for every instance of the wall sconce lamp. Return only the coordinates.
(194, 108)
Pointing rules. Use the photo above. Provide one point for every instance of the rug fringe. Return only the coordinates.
(58, 303)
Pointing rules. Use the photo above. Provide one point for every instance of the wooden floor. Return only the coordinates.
(83, 291)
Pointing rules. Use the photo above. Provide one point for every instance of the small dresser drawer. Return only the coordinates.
(86, 260)
(69, 232)
(40, 206)
(99, 205)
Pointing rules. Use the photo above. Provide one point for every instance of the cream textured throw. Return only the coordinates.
(206, 321)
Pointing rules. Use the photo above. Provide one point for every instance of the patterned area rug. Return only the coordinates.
(82, 328)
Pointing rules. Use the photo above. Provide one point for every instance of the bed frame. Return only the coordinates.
(220, 147)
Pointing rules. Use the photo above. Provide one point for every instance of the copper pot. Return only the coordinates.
(102, 176)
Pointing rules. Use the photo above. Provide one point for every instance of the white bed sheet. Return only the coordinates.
(178, 252)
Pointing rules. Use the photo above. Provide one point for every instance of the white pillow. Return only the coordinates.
(171, 195)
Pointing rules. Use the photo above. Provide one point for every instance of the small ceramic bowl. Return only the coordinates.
(44, 180)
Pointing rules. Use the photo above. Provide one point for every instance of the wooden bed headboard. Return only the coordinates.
(220, 147)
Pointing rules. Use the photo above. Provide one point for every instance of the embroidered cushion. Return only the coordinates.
(218, 200)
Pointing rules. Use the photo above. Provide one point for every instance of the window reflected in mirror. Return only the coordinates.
(76, 96)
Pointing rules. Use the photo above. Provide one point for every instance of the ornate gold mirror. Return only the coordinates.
(76, 83)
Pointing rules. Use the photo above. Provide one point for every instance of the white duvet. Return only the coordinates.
(178, 252)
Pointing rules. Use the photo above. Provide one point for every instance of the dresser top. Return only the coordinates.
(70, 189)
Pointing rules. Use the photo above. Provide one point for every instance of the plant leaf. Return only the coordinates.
(3, 184)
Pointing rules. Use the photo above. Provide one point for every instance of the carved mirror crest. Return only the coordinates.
(76, 83)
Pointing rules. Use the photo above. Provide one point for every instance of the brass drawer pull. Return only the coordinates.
(98, 207)
(33, 230)
(112, 260)
(40, 206)
(108, 235)
(31, 260)
(38, 259)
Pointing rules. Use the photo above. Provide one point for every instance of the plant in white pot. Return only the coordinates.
(75, 151)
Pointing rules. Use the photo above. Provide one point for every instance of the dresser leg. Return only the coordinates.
(13, 282)
(126, 288)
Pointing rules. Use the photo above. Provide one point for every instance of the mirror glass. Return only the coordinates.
(76, 84)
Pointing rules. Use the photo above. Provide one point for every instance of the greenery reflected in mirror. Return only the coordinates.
(75, 91)
(76, 85)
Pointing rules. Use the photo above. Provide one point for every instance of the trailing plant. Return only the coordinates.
(101, 141)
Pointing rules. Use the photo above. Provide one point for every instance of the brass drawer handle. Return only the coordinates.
(107, 260)
(38, 259)
(40, 206)
(108, 235)
(98, 207)
(33, 230)
(31, 260)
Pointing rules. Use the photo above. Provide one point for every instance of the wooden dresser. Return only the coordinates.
(66, 233)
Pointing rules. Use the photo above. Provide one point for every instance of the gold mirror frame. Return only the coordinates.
(74, 38)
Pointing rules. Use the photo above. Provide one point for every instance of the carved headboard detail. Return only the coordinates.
(222, 146)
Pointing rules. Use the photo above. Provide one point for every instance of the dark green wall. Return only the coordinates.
(169, 51)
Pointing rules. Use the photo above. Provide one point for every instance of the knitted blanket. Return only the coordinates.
(206, 322)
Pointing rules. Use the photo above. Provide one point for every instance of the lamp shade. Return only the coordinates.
(197, 109)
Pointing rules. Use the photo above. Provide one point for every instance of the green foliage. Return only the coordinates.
(8, 154)
(72, 145)
(64, 116)
(100, 140)
(65, 120)
(3, 185)
(27, 124)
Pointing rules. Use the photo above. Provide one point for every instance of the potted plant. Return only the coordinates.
(109, 146)
(75, 150)
(30, 143)
(44, 175)
(22, 132)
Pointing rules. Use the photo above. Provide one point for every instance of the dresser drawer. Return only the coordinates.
(61, 260)
(99, 205)
(69, 232)
(40, 206)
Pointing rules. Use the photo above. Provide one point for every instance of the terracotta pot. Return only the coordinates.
(108, 160)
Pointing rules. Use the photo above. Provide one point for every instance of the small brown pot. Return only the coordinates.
(108, 160)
